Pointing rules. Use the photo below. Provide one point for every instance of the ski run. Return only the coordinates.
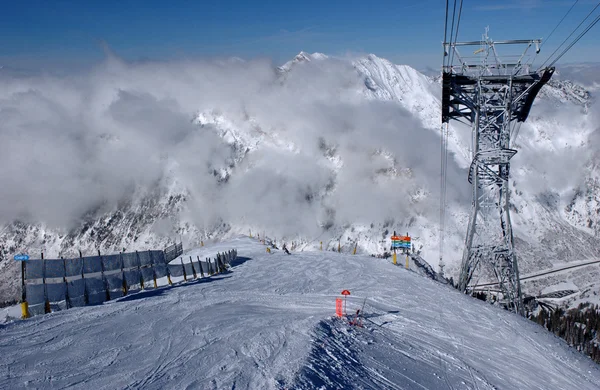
(270, 323)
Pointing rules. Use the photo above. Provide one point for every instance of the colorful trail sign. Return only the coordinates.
(401, 242)
(21, 257)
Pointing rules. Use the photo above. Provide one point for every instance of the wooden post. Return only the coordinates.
(123, 275)
(210, 271)
(46, 302)
(67, 300)
(86, 299)
(200, 264)
(153, 270)
(139, 264)
(183, 267)
(104, 280)
(219, 261)
(168, 271)
(193, 269)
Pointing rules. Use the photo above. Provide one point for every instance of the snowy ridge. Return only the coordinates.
(402, 84)
(300, 58)
(268, 324)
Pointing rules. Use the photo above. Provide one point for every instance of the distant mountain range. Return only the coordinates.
(334, 150)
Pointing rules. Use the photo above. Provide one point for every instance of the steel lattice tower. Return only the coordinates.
(494, 96)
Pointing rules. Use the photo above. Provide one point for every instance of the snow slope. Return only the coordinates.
(268, 324)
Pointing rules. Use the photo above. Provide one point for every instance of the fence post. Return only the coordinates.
(153, 270)
(104, 280)
(67, 300)
(137, 256)
(221, 261)
(46, 301)
(123, 275)
(183, 267)
(168, 271)
(200, 264)
(24, 305)
(193, 268)
(86, 299)
(210, 272)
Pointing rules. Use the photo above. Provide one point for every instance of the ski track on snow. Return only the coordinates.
(268, 324)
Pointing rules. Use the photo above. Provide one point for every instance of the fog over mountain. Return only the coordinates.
(320, 149)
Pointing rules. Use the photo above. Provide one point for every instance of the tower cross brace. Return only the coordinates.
(494, 96)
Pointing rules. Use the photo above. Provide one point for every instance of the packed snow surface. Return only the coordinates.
(269, 324)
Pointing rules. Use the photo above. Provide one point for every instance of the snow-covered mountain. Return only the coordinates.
(269, 324)
(319, 149)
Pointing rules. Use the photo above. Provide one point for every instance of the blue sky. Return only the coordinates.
(46, 34)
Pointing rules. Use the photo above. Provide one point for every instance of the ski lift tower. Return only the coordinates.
(493, 95)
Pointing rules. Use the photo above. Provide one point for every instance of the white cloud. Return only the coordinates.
(73, 143)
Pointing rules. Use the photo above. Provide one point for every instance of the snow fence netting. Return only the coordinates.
(75, 282)
(114, 275)
(189, 270)
(56, 289)
(146, 269)
(198, 268)
(34, 286)
(56, 284)
(95, 286)
(160, 267)
(176, 271)
(131, 270)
